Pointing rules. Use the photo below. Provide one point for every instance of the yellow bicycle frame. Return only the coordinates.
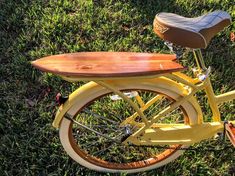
(152, 133)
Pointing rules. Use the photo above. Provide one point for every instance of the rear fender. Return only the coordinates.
(164, 85)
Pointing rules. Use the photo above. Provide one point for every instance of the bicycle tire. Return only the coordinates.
(113, 160)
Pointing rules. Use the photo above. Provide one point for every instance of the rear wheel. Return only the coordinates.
(102, 148)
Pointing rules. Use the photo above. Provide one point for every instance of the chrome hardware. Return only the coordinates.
(128, 94)
(179, 51)
(202, 77)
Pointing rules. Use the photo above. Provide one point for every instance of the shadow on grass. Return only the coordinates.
(20, 152)
(29, 145)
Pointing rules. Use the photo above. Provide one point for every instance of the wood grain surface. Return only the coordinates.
(108, 64)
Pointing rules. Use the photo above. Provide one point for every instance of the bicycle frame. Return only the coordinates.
(151, 133)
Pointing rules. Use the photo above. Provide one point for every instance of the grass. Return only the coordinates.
(30, 29)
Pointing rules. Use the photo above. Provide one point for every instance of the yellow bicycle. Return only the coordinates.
(138, 110)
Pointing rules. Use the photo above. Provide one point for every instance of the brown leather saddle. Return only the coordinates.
(190, 32)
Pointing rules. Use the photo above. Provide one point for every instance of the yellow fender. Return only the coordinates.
(85, 91)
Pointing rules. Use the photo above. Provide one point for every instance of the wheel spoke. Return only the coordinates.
(98, 116)
(97, 130)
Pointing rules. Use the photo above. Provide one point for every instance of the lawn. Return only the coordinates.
(30, 29)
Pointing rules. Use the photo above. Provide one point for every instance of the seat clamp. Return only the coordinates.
(177, 50)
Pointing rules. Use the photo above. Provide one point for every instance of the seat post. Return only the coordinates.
(199, 59)
(208, 87)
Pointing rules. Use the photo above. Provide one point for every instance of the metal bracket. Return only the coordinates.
(179, 51)
(205, 75)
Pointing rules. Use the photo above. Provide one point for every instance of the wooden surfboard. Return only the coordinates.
(108, 64)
